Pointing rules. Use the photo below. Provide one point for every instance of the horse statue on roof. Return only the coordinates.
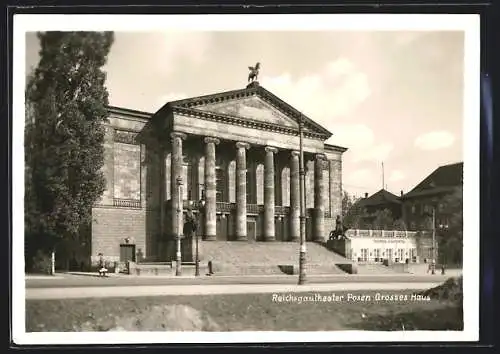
(254, 72)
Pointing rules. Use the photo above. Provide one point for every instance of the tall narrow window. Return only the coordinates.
(231, 182)
(259, 172)
(250, 186)
(285, 186)
(219, 184)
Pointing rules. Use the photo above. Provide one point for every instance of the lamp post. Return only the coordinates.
(201, 208)
(179, 222)
(302, 255)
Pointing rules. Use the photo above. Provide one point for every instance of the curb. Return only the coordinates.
(96, 275)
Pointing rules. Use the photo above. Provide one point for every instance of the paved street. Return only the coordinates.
(81, 281)
(208, 289)
(75, 281)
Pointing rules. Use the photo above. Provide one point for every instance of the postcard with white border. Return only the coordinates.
(245, 178)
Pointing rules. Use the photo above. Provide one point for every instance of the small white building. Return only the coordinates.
(378, 246)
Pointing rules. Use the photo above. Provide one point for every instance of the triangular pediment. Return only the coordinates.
(254, 108)
(253, 104)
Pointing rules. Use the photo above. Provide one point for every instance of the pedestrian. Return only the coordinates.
(102, 265)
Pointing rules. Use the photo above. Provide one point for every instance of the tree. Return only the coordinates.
(383, 220)
(351, 212)
(399, 225)
(64, 147)
(347, 203)
(450, 239)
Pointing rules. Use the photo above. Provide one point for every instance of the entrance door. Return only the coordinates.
(127, 253)
(221, 227)
(278, 229)
(389, 254)
(251, 230)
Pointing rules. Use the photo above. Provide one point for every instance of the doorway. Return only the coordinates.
(127, 253)
(251, 230)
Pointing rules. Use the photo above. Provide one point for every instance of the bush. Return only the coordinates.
(450, 291)
(42, 263)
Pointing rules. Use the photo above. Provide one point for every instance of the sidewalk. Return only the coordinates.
(210, 289)
(42, 277)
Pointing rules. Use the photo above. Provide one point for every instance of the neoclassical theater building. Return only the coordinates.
(237, 151)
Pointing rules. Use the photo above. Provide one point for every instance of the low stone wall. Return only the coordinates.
(338, 246)
(350, 268)
(163, 268)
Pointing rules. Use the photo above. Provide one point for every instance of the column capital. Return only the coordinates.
(295, 153)
(242, 145)
(209, 139)
(180, 135)
(271, 149)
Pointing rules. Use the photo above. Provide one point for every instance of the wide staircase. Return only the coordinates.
(259, 258)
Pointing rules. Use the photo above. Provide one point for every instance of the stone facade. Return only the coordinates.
(235, 150)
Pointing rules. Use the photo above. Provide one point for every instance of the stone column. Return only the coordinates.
(241, 191)
(319, 200)
(175, 171)
(210, 191)
(335, 188)
(269, 233)
(294, 197)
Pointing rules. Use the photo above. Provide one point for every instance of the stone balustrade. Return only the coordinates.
(382, 233)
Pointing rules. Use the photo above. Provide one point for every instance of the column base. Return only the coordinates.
(270, 238)
(241, 238)
(210, 238)
(295, 239)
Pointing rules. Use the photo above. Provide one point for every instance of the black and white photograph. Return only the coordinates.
(245, 178)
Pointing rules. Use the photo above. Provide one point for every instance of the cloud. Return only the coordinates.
(340, 67)
(378, 153)
(360, 177)
(335, 90)
(360, 139)
(435, 140)
(360, 181)
(352, 135)
(160, 53)
(396, 176)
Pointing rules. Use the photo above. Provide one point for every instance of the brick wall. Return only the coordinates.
(111, 226)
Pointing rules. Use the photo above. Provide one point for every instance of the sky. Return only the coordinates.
(390, 97)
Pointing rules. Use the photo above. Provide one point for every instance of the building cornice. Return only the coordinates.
(335, 148)
(244, 122)
(130, 114)
(259, 91)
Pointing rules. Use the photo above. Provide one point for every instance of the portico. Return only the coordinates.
(238, 151)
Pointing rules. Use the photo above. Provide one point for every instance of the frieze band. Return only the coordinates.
(125, 137)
